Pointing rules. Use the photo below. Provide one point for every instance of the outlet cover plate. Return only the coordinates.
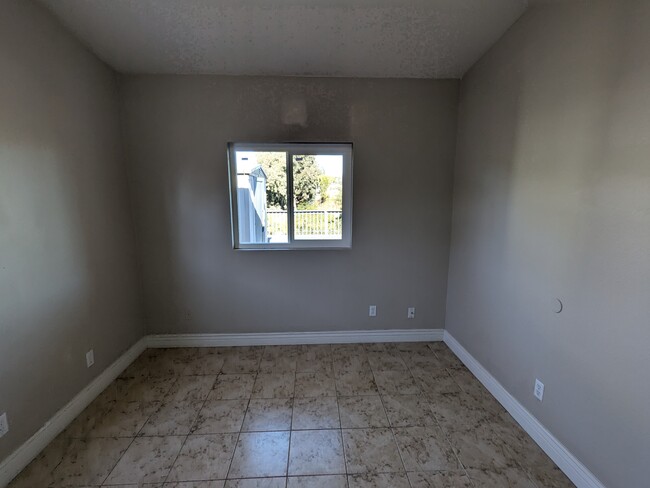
(4, 424)
(539, 390)
(90, 358)
(372, 311)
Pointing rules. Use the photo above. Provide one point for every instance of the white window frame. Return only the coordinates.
(291, 149)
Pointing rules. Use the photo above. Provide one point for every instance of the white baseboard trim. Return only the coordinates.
(290, 338)
(21, 457)
(567, 462)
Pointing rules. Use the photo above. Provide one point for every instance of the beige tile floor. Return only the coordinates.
(355, 416)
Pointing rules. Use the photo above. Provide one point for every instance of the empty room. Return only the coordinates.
(325, 243)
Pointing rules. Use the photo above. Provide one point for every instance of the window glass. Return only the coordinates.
(291, 196)
(318, 196)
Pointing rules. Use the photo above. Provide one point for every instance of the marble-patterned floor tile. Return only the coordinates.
(316, 452)
(260, 454)
(242, 360)
(279, 359)
(369, 387)
(435, 383)
(408, 410)
(414, 348)
(315, 385)
(447, 358)
(379, 347)
(385, 361)
(274, 385)
(356, 383)
(362, 412)
(500, 478)
(468, 382)
(220, 416)
(520, 444)
(147, 460)
(208, 364)
(352, 363)
(138, 368)
(342, 351)
(39, 472)
(314, 359)
(169, 362)
(440, 479)
(172, 418)
(268, 414)
(481, 448)
(233, 387)
(371, 450)
(425, 449)
(257, 483)
(424, 362)
(190, 389)
(315, 413)
(89, 461)
(190, 484)
(457, 412)
(143, 389)
(379, 480)
(204, 457)
(90, 418)
(329, 481)
(275, 352)
(143, 485)
(549, 477)
(125, 419)
(396, 383)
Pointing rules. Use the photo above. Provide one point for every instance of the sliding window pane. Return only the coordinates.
(318, 197)
(262, 197)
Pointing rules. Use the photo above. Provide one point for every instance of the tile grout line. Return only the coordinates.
(139, 430)
(338, 409)
(399, 449)
(392, 431)
(293, 404)
(171, 466)
(241, 427)
(447, 438)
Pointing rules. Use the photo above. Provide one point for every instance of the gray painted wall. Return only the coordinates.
(177, 128)
(67, 253)
(552, 199)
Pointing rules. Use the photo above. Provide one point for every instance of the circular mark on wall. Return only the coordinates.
(559, 306)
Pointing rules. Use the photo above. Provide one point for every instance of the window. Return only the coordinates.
(291, 196)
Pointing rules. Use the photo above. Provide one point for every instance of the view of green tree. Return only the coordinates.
(274, 165)
(311, 188)
(306, 181)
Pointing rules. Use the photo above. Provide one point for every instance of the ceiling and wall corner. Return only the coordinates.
(337, 38)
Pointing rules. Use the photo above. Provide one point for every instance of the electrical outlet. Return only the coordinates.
(4, 424)
(411, 313)
(539, 390)
(372, 311)
(90, 358)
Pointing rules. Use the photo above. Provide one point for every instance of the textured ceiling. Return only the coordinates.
(354, 38)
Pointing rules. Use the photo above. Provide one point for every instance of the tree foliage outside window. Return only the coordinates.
(312, 189)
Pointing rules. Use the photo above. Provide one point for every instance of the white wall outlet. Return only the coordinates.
(372, 311)
(411, 313)
(4, 424)
(539, 390)
(90, 358)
